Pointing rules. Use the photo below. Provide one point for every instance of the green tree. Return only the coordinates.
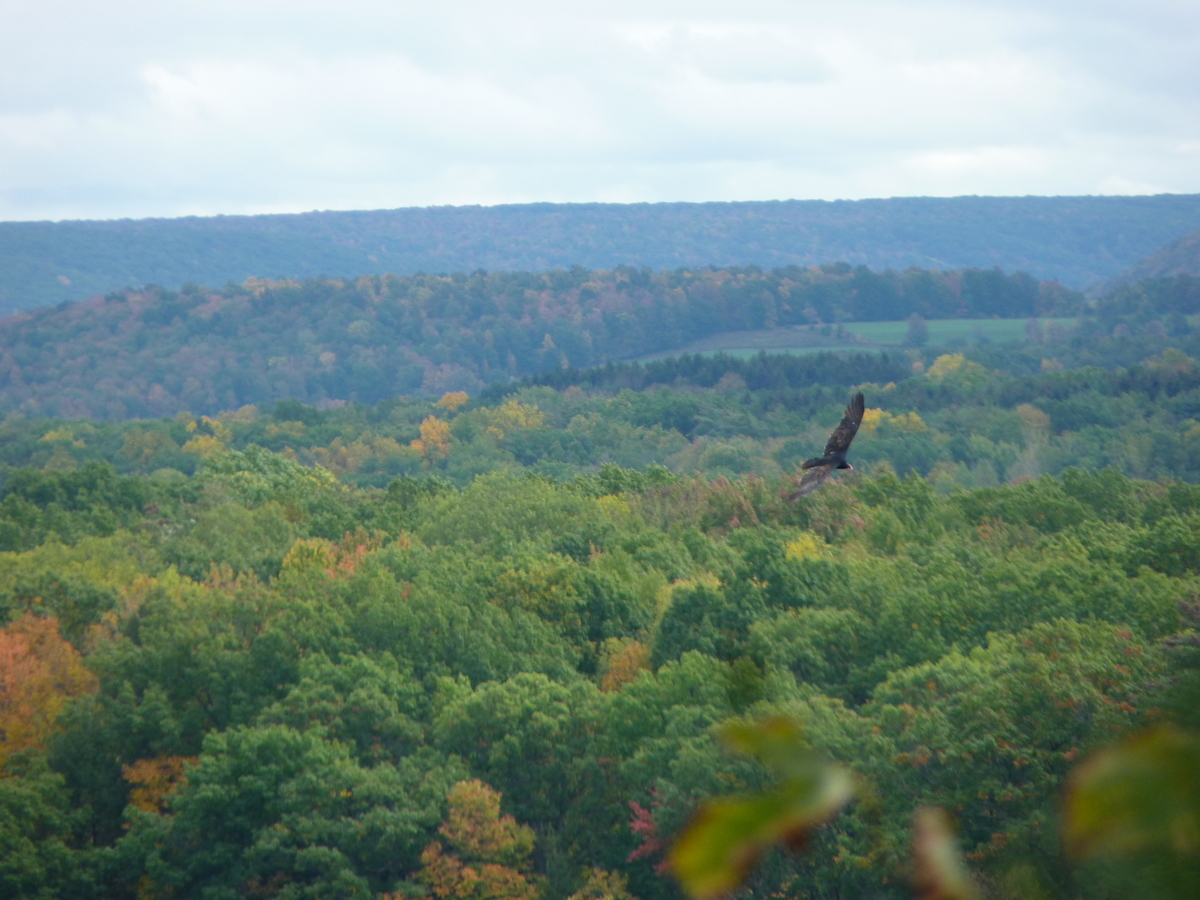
(289, 812)
(37, 861)
(917, 334)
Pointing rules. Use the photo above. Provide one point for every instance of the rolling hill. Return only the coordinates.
(1180, 257)
(156, 352)
(1077, 240)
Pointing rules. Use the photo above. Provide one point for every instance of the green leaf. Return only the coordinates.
(727, 836)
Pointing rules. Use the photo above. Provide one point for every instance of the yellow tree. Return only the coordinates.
(434, 442)
(39, 672)
(452, 400)
(513, 416)
(600, 884)
(488, 854)
(209, 436)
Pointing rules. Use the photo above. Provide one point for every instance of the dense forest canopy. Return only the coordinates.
(156, 352)
(1077, 240)
(258, 681)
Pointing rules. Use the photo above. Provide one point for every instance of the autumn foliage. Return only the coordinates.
(625, 663)
(39, 672)
(601, 884)
(452, 400)
(155, 779)
(488, 854)
(434, 442)
(338, 560)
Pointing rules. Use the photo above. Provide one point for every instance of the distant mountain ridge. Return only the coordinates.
(1181, 257)
(1077, 240)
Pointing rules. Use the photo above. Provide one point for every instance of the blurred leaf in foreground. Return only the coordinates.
(1139, 796)
(939, 871)
(726, 837)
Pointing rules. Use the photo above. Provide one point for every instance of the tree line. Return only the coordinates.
(948, 417)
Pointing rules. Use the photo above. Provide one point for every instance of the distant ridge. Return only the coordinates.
(1078, 240)
(1181, 257)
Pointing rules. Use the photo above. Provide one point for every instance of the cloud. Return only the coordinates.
(138, 108)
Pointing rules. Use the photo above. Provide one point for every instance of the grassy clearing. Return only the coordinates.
(944, 331)
(747, 352)
(859, 336)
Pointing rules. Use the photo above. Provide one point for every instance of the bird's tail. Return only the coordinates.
(813, 463)
(813, 479)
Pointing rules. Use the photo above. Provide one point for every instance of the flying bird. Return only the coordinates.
(816, 471)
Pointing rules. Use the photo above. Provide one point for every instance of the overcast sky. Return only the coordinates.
(180, 107)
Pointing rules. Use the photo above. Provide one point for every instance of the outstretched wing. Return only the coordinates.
(813, 479)
(839, 441)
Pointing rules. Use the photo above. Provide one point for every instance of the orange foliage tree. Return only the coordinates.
(154, 780)
(39, 672)
(626, 660)
(488, 854)
(340, 559)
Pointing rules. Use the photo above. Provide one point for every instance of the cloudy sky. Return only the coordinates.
(179, 107)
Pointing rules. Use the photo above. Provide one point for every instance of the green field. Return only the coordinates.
(944, 331)
(859, 336)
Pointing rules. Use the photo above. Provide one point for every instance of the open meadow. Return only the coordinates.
(862, 336)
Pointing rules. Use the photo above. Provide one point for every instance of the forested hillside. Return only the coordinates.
(156, 352)
(1077, 240)
(1181, 257)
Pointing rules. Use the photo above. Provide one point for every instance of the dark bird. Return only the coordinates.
(816, 471)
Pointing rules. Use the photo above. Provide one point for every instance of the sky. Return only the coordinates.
(135, 108)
